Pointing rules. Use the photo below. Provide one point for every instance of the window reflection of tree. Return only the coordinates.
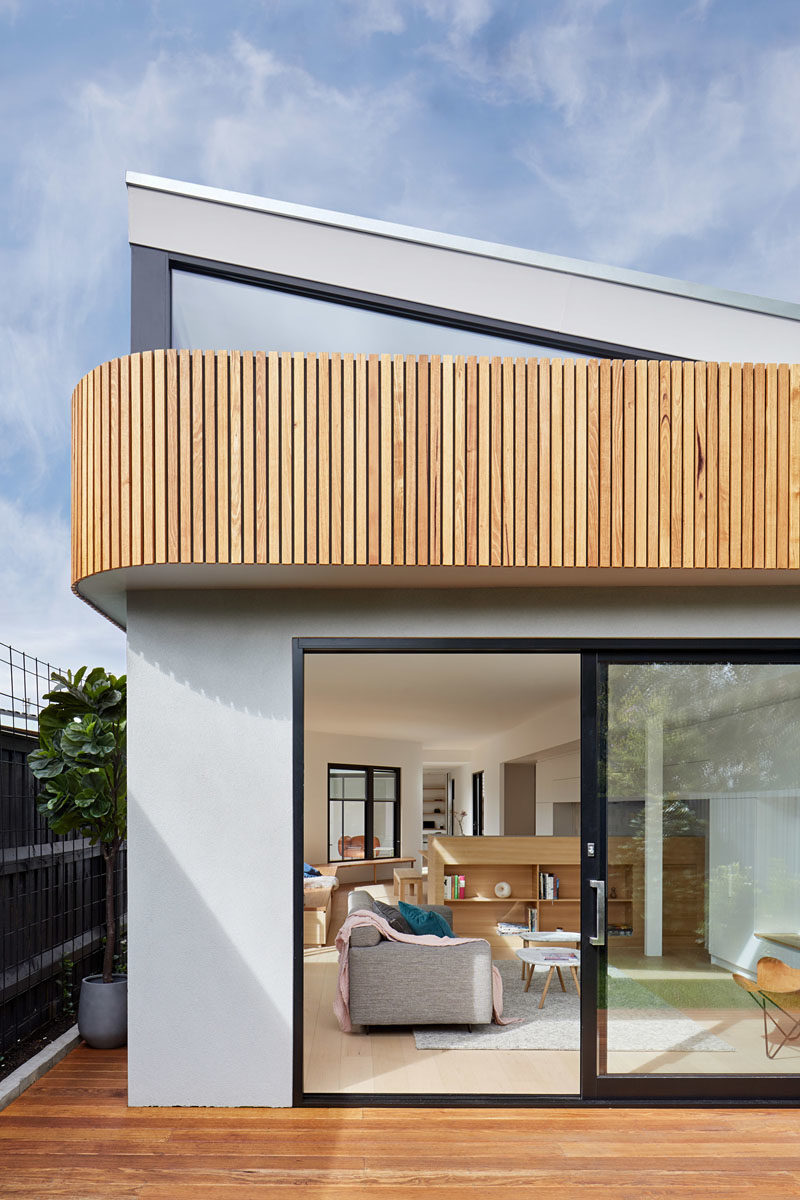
(729, 730)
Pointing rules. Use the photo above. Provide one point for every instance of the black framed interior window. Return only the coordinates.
(363, 812)
(477, 804)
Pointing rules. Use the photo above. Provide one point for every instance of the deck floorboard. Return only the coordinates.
(72, 1136)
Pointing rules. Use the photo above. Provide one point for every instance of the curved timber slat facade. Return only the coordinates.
(205, 457)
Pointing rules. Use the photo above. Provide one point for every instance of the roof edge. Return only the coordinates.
(466, 245)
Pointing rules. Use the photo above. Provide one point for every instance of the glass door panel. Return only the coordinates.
(700, 781)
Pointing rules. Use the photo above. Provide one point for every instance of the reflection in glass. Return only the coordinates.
(703, 794)
(345, 783)
(334, 831)
(383, 828)
(384, 785)
(227, 315)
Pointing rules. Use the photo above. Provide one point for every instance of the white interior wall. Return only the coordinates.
(324, 748)
(210, 865)
(558, 781)
(462, 777)
(551, 727)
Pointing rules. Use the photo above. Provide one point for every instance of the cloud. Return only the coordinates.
(667, 162)
(368, 17)
(282, 123)
(644, 147)
(603, 131)
(239, 117)
(40, 615)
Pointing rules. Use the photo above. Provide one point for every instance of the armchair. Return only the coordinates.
(353, 846)
(775, 991)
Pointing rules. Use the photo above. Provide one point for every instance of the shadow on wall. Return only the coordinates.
(222, 645)
(209, 1015)
(209, 854)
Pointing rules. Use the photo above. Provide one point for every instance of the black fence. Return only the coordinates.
(52, 888)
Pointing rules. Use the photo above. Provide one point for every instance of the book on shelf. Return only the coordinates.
(548, 886)
(533, 919)
(455, 887)
(509, 927)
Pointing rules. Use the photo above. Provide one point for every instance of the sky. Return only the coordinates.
(660, 135)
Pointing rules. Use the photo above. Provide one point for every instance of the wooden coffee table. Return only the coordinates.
(555, 960)
(548, 937)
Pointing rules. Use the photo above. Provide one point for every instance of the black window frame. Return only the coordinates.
(478, 797)
(369, 803)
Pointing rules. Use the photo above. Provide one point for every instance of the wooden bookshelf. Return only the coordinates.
(434, 805)
(484, 861)
(519, 861)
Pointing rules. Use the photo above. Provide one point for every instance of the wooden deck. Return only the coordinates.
(72, 1135)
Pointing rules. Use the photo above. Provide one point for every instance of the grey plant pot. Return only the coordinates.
(103, 1011)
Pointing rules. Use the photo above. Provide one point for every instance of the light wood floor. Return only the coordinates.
(387, 1061)
(741, 1027)
(72, 1137)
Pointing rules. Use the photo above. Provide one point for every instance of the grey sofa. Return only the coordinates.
(397, 983)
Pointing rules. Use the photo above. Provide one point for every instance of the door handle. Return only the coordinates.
(599, 938)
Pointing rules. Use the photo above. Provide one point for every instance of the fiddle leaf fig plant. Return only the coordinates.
(81, 761)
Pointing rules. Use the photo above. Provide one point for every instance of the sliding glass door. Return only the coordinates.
(693, 889)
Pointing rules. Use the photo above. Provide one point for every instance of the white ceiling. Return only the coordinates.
(439, 700)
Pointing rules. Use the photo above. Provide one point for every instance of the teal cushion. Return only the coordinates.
(422, 921)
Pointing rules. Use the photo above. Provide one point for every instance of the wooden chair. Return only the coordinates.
(777, 987)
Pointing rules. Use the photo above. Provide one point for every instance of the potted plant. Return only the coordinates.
(82, 762)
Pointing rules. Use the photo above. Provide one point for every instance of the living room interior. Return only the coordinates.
(470, 767)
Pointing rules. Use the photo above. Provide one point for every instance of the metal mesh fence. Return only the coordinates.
(51, 887)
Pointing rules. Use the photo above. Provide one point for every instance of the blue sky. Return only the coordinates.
(661, 135)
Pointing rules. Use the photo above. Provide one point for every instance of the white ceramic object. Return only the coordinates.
(502, 889)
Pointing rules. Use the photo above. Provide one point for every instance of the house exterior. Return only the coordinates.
(338, 434)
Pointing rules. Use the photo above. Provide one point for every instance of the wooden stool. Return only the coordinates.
(407, 880)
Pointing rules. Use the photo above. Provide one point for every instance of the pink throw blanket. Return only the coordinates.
(341, 1003)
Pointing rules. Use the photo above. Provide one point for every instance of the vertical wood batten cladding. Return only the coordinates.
(197, 456)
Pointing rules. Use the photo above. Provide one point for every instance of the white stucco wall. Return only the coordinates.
(210, 770)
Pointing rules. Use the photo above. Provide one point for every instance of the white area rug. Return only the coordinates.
(637, 1019)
